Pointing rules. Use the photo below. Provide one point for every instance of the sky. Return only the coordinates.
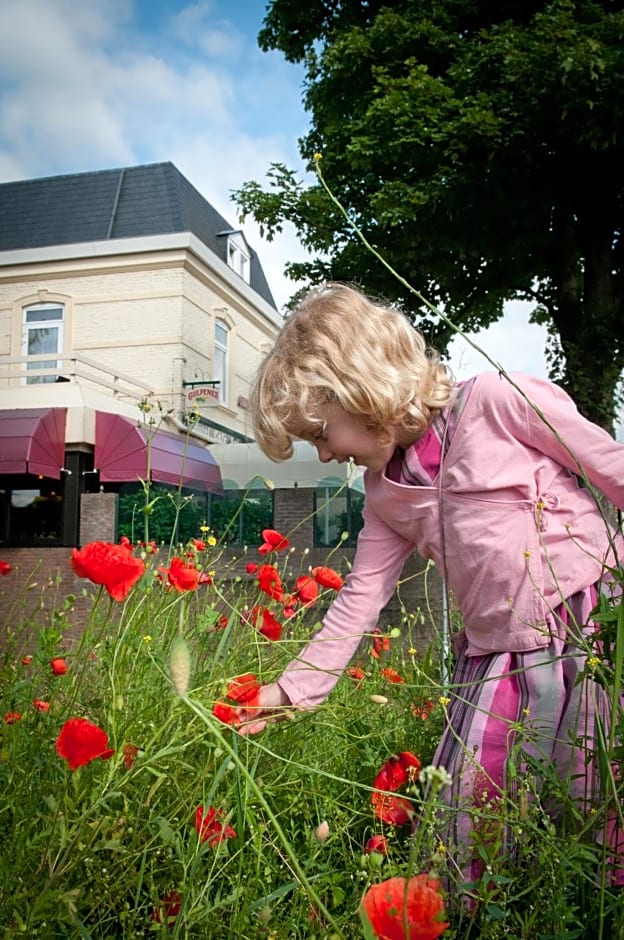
(96, 84)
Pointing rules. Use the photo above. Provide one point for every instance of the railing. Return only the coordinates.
(22, 370)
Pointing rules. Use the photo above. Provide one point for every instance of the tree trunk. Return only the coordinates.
(587, 314)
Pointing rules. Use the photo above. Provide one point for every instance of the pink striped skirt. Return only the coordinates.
(513, 720)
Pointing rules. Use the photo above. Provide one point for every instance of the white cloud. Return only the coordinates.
(512, 342)
(200, 26)
(81, 90)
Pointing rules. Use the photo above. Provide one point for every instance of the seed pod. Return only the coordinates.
(180, 665)
(321, 833)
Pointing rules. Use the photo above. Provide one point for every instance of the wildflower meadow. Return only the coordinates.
(131, 806)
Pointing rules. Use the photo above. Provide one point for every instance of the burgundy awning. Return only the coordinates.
(122, 449)
(32, 440)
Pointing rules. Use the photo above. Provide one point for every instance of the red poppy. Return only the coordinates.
(422, 710)
(198, 545)
(391, 675)
(79, 742)
(130, 752)
(328, 578)
(244, 689)
(391, 809)
(399, 770)
(181, 576)
(111, 565)
(27, 660)
(40, 705)
(273, 542)
(355, 673)
(5, 567)
(168, 908)
(381, 644)
(306, 590)
(270, 582)
(209, 827)
(405, 909)
(125, 542)
(12, 718)
(225, 713)
(377, 844)
(251, 567)
(59, 666)
(264, 621)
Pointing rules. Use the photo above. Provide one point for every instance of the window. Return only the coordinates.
(236, 518)
(32, 514)
(221, 358)
(238, 257)
(337, 509)
(43, 333)
(168, 522)
(239, 516)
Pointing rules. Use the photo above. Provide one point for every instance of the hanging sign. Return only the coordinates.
(197, 396)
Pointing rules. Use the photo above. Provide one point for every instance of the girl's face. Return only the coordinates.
(345, 437)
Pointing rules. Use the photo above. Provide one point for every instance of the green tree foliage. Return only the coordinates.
(478, 144)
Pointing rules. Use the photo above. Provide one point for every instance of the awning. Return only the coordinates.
(245, 466)
(32, 440)
(123, 451)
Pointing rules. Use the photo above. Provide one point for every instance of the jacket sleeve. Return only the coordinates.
(378, 562)
(565, 435)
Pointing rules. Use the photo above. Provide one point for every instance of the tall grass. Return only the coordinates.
(111, 849)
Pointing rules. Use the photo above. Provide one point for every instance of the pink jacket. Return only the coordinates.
(507, 523)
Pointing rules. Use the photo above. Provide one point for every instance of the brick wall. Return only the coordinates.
(97, 517)
(292, 513)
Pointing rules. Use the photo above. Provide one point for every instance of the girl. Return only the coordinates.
(489, 480)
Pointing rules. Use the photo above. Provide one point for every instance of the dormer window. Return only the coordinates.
(238, 255)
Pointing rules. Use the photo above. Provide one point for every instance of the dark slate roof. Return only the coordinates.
(154, 199)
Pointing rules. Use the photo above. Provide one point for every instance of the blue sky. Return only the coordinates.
(93, 84)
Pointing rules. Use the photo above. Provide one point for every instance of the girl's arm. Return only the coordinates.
(378, 562)
(309, 678)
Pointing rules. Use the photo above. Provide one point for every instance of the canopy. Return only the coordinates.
(126, 452)
(32, 440)
(245, 465)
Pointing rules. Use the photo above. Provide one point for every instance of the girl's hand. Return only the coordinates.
(273, 705)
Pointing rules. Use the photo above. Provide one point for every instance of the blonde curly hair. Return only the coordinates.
(342, 346)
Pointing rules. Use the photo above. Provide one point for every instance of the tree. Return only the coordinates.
(478, 145)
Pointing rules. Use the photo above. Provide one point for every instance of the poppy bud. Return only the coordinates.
(180, 665)
(321, 833)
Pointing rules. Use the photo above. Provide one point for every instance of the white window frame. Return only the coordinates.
(221, 358)
(29, 327)
(238, 256)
